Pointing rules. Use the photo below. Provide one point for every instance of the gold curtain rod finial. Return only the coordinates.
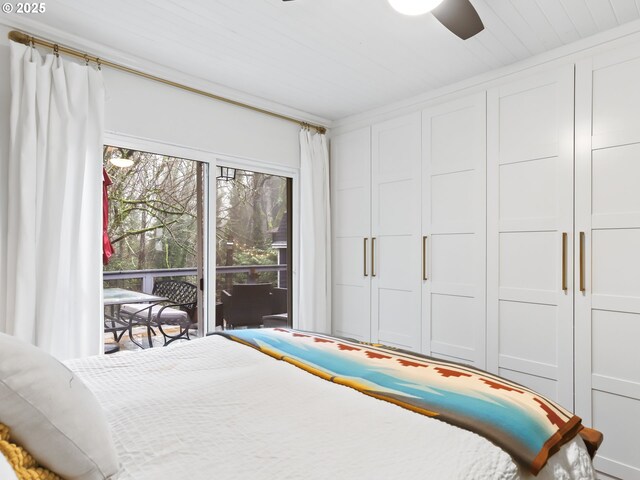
(20, 37)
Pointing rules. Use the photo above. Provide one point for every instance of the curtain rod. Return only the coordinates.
(25, 39)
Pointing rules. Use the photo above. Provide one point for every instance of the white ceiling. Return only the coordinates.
(330, 58)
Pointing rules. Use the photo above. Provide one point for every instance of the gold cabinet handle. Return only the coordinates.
(364, 257)
(373, 256)
(582, 286)
(424, 258)
(564, 261)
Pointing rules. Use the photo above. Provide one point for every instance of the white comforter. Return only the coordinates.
(215, 409)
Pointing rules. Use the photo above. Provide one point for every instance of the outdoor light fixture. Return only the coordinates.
(121, 162)
(414, 7)
(226, 173)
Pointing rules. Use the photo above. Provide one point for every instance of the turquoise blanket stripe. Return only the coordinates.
(505, 413)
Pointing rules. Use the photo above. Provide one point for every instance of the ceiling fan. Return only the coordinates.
(459, 16)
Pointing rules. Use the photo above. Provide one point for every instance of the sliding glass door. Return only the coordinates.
(156, 213)
(158, 228)
(253, 249)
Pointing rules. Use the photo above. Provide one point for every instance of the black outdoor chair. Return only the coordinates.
(180, 310)
(246, 304)
(279, 306)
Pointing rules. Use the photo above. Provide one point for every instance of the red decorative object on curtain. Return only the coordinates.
(107, 248)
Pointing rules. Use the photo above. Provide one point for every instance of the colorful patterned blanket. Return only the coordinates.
(523, 423)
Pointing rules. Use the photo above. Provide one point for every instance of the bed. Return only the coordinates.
(214, 408)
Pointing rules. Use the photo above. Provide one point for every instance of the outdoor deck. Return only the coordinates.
(140, 335)
(144, 281)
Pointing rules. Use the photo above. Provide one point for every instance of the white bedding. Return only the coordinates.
(215, 409)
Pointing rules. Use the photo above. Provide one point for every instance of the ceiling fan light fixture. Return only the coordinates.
(414, 7)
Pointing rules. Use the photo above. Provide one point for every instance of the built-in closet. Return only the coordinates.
(409, 231)
(376, 229)
(530, 232)
(453, 230)
(501, 228)
(351, 230)
(607, 255)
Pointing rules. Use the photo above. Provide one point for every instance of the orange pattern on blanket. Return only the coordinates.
(377, 356)
(23, 464)
(551, 415)
(445, 372)
(347, 348)
(322, 340)
(409, 363)
(500, 386)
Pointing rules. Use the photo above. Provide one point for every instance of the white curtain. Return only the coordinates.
(54, 212)
(315, 235)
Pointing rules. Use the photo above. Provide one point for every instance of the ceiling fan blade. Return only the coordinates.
(460, 17)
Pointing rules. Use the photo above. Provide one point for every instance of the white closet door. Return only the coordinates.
(395, 225)
(608, 212)
(453, 230)
(351, 211)
(530, 225)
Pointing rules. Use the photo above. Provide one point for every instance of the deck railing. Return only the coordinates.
(148, 277)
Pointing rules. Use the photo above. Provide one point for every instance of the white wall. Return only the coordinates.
(142, 108)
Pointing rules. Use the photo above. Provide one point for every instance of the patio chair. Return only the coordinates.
(246, 304)
(179, 310)
(278, 316)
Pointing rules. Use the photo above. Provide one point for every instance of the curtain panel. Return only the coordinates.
(314, 312)
(53, 249)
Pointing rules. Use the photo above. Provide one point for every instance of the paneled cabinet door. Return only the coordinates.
(529, 237)
(351, 226)
(395, 231)
(607, 248)
(453, 230)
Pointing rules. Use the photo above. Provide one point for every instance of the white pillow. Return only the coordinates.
(6, 472)
(53, 415)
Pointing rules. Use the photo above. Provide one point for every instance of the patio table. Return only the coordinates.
(115, 298)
